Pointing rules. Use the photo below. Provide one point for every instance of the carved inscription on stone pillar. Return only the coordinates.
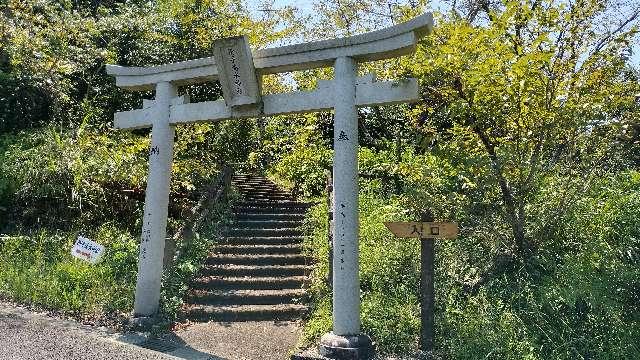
(236, 71)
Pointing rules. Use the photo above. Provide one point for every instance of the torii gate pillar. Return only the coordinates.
(346, 341)
(346, 282)
(154, 220)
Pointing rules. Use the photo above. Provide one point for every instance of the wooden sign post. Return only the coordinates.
(426, 232)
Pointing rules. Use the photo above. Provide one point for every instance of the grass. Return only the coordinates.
(38, 269)
(389, 278)
(584, 304)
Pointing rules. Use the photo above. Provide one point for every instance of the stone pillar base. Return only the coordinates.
(357, 347)
(143, 323)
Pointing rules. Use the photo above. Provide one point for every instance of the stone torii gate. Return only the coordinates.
(239, 71)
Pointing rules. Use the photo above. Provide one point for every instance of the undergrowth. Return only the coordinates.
(38, 269)
(579, 301)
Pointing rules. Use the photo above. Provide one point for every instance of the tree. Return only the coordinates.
(538, 88)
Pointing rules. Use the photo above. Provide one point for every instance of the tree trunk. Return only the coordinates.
(515, 212)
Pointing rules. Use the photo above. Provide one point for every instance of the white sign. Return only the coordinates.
(87, 250)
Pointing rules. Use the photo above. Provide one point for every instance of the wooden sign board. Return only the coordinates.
(423, 230)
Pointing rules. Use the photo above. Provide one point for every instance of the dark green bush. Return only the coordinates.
(24, 104)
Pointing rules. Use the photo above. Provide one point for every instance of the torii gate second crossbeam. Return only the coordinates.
(239, 71)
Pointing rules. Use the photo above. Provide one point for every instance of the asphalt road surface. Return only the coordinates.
(26, 335)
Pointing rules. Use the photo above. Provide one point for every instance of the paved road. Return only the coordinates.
(247, 340)
(35, 336)
(26, 335)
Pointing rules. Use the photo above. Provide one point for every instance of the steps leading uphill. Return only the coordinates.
(258, 271)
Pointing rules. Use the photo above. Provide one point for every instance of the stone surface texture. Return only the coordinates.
(25, 335)
(31, 335)
(368, 93)
(236, 72)
(156, 202)
(253, 340)
(357, 347)
(382, 44)
(257, 271)
(312, 354)
(346, 282)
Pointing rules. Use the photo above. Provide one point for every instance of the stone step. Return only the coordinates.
(263, 240)
(267, 198)
(244, 312)
(252, 181)
(248, 177)
(255, 183)
(259, 249)
(259, 187)
(246, 297)
(261, 232)
(269, 216)
(256, 259)
(256, 283)
(258, 272)
(269, 210)
(255, 270)
(275, 204)
(268, 189)
(267, 224)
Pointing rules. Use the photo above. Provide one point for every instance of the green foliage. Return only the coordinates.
(588, 302)
(67, 179)
(582, 307)
(526, 135)
(484, 328)
(298, 154)
(191, 254)
(389, 296)
(64, 171)
(25, 104)
(38, 269)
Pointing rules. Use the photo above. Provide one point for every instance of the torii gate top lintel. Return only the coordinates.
(386, 43)
(234, 63)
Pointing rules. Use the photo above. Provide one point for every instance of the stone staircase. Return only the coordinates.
(258, 271)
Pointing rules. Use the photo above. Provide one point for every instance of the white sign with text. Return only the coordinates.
(87, 250)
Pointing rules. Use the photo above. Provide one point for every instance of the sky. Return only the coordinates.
(306, 7)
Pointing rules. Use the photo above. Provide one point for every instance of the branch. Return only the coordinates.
(605, 40)
(501, 264)
(535, 159)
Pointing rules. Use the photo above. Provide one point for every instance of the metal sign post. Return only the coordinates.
(427, 232)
